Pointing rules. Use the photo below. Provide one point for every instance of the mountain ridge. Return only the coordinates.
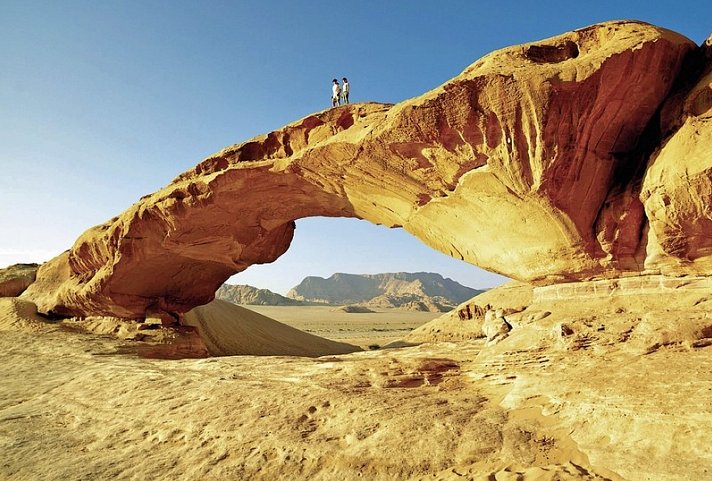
(423, 291)
(246, 294)
(416, 291)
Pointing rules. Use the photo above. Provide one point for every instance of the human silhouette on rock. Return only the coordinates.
(335, 94)
(345, 91)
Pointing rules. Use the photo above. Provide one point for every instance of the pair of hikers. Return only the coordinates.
(339, 93)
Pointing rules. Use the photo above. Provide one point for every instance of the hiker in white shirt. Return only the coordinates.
(335, 94)
(345, 91)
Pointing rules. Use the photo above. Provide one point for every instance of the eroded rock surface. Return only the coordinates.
(614, 389)
(677, 189)
(528, 164)
(16, 278)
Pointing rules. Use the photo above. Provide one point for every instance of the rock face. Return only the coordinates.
(16, 278)
(531, 163)
(421, 291)
(467, 322)
(677, 188)
(244, 294)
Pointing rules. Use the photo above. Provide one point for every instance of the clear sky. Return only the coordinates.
(102, 102)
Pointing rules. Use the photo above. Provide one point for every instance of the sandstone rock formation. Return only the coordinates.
(354, 309)
(495, 327)
(677, 188)
(629, 402)
(467, 321)
(16, 278)
(531, 163)
(412, 302)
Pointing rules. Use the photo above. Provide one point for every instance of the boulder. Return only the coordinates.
(16, 278)
(495, 327)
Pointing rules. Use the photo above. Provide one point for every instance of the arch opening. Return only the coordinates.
(355, 282)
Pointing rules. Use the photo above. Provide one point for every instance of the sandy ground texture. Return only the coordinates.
(364, 329)
(555, 400)
(256, 334)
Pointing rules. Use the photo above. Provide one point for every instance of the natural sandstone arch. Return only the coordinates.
(508, 166)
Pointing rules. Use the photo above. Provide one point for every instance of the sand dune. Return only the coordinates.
(604, 370)
(18, 314)
(228, 330)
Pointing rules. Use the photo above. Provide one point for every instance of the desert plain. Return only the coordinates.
(376, 329)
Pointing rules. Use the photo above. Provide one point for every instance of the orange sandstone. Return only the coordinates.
(529, 163)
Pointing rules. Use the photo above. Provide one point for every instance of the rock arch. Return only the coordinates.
(509, 166)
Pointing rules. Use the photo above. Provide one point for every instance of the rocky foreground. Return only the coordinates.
(618, 388)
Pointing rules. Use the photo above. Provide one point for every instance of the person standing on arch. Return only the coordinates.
(345, 91)
(335, 94)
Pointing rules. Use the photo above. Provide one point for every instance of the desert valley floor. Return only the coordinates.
(378, 328)
(630, 401)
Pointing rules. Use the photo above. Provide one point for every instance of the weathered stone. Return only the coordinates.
(677, 189)
(495, 326)
(520, 165)
(16, 278)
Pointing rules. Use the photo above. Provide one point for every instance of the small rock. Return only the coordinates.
(495, 327)
(566, 330)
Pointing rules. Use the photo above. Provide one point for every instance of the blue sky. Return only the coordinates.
(105, 101)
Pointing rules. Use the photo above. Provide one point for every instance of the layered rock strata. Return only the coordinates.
(530, 163)
(244, 294)
(677, 188)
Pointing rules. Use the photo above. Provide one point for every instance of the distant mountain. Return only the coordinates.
(422, 291)
(413, 302)
(244, 294)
